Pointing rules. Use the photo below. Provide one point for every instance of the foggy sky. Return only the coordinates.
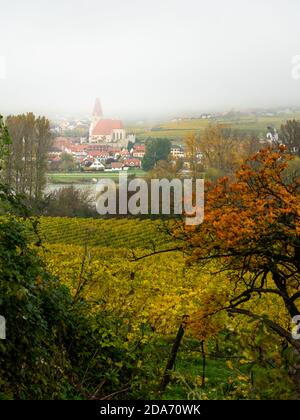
(148, 58)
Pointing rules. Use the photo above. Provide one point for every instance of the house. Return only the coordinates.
(102, 156)
(116, 166)
(132, 162)
(97, 147)
(96, 166)
(61, 143)
(139, 151)
(177, 152)
(115, 152)
(272, 135)
(124, 154)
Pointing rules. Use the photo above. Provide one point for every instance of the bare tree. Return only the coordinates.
(27, 161)
(290, 136)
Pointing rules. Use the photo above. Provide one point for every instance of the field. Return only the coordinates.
(159, 294)
(157, 290)
(81, 177)
(113, 233)
(177, 130)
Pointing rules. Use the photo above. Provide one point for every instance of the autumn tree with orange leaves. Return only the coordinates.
(251, 232)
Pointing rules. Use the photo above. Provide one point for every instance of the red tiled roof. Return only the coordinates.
(139, 147)
(116, 165)
(77, 147)
(61, 141)
(132, 162)
(94, 153)
(105, 127)
(99, 147)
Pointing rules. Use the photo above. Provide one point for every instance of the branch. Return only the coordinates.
(260, 290)
(158, 252)
(271, 324)
(107, 397)
(295, 296)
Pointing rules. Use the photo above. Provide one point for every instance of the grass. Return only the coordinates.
(188, 371)
(81, 177)
(220, 380)
(187, 374)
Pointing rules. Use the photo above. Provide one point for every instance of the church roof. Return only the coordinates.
(105, 127)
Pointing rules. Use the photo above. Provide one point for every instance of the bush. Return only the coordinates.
(55, 346)
(68, 202)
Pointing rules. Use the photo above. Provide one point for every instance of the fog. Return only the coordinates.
(147, 58)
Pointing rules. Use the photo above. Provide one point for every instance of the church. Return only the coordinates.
(107, 131)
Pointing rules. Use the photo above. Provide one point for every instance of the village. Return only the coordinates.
(107, 147)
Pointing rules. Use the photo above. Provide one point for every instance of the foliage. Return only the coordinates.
(118, 233)
(220, 148)
(56, 346)
(67, 163)
(165, 169)
(27, 161)
(251, 230)
(89, 316)
(156, 149)
(5, 141)
(70, 202)
(192, 147)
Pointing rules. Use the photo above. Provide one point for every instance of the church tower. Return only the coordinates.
(96, 115)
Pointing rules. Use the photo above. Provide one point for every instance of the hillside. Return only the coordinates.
(114, 233)
(177, 130)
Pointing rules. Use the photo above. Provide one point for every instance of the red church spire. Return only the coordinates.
(97, 112)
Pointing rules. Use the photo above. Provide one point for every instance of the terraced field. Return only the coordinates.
(115, 233)
(177, 130)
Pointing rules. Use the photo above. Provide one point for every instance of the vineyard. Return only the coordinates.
(137, 303)
(177, 130)
(150, 242)
(115, 233)
(150, 297)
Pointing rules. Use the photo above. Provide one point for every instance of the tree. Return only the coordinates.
(156, 149)
(166, 169)
(67, 162)
(192, 147)
(290, 136)
(27, 161)
(251, 231)
(220, 148)
(70, 202)
(4, 143)
(43, 144)
(130, 145)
